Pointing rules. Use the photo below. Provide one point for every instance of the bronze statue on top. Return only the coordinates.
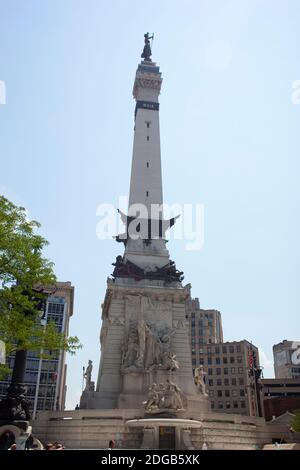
(146, 54)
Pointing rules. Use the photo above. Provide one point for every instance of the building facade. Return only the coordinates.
(230, 382)
(45, 379)
(279, 396)
(205, 326)
(287, 360)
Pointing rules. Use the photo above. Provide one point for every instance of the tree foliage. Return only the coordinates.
(24, 272)
(296, 422)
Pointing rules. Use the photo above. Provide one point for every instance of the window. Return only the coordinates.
(241, 381)
(212, 405)
(242, 392)
(217, 350)
(147, 164)
(228, 404)
(211, 393)
(219, 382)
(233, 381)
(235, 404)
(231, 359)
(219, 393)
(225, 370)
(225, 360)
(226, 381)
(239, 359)
(233, 370)
(224, 349)
(209, 360)
(234, 393)
(208, 350)
(193, 362)
(238, 348)
(147, 193)
(227, 393)
(243, 404)
(240, 370)
(218, 371)
(231, 349)
(147, 137)
(56, 308)
(201, 361)
(220, 405)
(210, 382)
(200, 350)
(218, 360)
(210, 372)
(148, 125)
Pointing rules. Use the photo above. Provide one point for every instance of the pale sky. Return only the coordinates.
(229, 138)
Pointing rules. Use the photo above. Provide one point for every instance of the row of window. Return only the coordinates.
(56, 308)
(217, 349)
(220, 405)
(226, 370)
(218, 360)
(45, 377)
(201, 323)
(202, 332)
(205, 314)
(226, 393)
(225, 382)
(225, 349)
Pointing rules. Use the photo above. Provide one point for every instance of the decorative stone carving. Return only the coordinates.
(89, 385)
(158, 354)
(147, 346)
(153, 398)
(164, 398)
(167, 273)
(133, 351)
(199, 376)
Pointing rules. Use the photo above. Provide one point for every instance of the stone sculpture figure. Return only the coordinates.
(158, 354)
(152, 402)
(164, 397)
(172, 397)
(169, 361)
(161, 394)
(88, 376)
(199, 376)
(146, 54)
(132, 357)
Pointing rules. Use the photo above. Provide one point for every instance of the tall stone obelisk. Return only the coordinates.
(145, 351)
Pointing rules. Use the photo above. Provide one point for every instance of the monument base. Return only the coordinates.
(92, 429)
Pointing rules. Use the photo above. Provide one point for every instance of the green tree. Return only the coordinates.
(296, 422)
(24, 273)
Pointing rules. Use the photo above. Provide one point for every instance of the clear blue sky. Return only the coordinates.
(229, 134)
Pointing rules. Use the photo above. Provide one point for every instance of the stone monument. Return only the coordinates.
(147, 394)
(144, 335)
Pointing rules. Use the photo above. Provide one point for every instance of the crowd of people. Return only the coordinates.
(55, 446)
(48, 446)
